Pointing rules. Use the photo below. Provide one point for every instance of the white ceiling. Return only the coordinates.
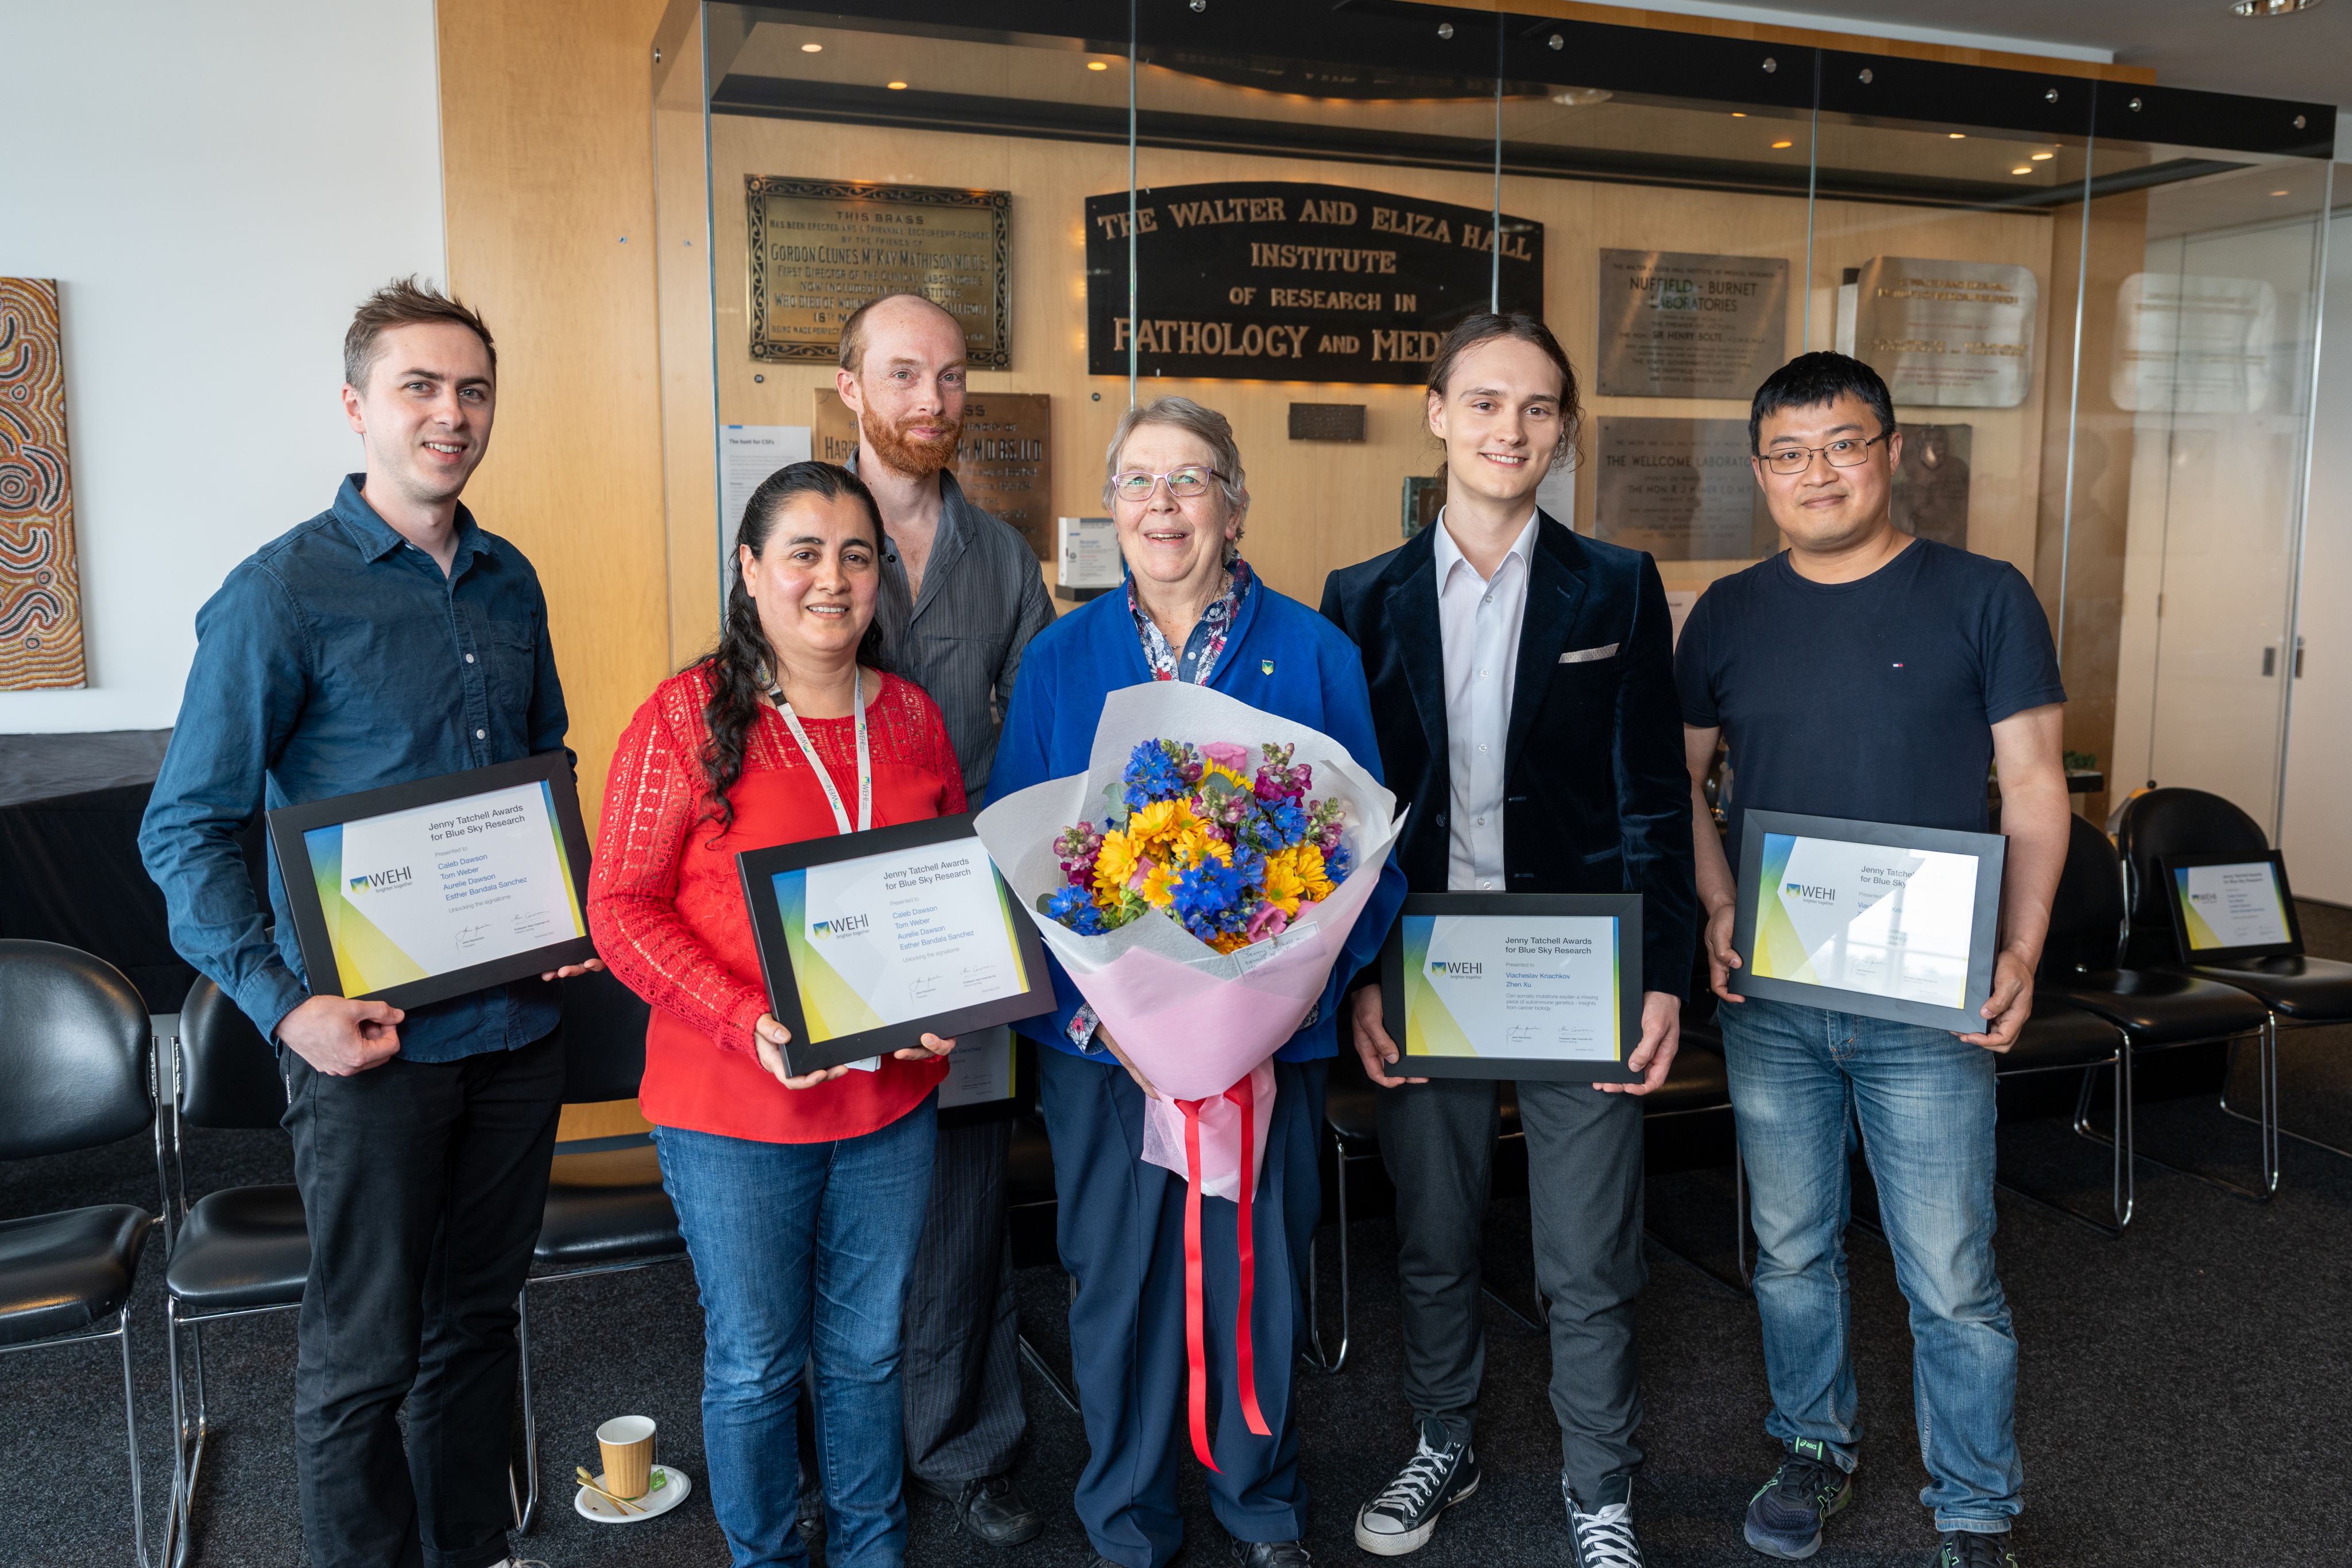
(2187, 43)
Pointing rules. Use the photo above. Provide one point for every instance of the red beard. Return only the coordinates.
(917, 459)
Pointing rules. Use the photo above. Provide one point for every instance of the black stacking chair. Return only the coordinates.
(606, 1212)
(1029, 1185)
(2062, 1037)
(238, 1253)
(77, 1059)
(2157, 1009)
(2295, 992)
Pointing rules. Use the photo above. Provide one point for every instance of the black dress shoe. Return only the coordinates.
(991, 1510)
(1272, 1554)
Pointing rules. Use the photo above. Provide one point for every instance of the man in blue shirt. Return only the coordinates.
(387, 640)
(1867, 675)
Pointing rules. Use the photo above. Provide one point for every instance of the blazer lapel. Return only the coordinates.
(1555, 592)
(1417, 642)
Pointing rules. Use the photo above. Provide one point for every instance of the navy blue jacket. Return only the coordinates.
(1596, 798)
(1278, 656)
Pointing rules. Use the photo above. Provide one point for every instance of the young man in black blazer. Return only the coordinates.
(1523, 688)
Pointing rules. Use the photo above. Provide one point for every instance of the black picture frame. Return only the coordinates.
(288, 825)
(1991, 851)
(759, 869)
(2290, 948)
(1509, 907)
(1001, 1107)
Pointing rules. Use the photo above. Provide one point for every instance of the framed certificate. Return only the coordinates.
(985, 1081)
(1515, 985)
(1865, 917)
(417, 893)
(869, 941)
(2230, 906)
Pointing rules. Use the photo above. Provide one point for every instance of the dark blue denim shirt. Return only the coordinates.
(338, 658)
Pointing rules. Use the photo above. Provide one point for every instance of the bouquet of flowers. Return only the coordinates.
(1199, 909)
(1234, 856)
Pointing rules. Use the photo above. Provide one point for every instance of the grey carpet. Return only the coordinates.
(2181, 1387)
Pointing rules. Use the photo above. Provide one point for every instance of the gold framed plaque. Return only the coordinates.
(1004, 457)
(821, 249)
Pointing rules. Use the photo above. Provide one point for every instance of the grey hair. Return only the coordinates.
(1212, 427)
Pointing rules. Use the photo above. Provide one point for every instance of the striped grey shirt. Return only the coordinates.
(983, 598)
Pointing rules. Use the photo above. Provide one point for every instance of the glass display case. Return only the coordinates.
(2097, 301)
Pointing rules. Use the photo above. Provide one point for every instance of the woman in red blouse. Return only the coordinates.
(800, 1197)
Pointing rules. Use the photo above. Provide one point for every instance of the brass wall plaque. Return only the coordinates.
(821, 249)
(1681, 489)
(1326, 422)
(1679, 324)
(1948, 334)
(1004, 461)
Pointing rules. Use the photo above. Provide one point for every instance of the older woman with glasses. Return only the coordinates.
(1192, 610)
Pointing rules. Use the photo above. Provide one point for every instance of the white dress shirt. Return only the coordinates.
(1478, 623)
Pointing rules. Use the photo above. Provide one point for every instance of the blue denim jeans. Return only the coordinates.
(802, 1252)
(1800, 1076)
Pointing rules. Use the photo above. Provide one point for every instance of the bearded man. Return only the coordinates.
(961, 596)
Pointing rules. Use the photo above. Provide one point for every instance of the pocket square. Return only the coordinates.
(1586, 656)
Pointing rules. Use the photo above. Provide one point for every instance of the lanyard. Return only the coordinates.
(865, 762)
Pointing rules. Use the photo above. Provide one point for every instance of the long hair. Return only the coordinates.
(740, 666)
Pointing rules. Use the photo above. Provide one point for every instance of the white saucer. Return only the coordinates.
(670, 1489)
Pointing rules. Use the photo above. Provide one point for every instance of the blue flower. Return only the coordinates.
(1288, 823)
(1207, 898)
(1336, 864)
(1152, 775)
(1074, 909)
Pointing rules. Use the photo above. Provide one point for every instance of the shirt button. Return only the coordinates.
(1482, 821)
(485, 735)
(1482, 746)
(1484, 883)
(1482, 674)
(470, 659)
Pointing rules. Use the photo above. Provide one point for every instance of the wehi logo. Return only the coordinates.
(1808, 894)
(1456, 970)
(397, 876)
(842, 925)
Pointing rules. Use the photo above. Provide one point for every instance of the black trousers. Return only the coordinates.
(1584, 1188)
(961, 1370)
(423, 1184)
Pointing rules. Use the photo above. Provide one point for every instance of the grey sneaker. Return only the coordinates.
(1441, 1473)
(1604, 1538)
(1786, 1515)
(1969, 1549)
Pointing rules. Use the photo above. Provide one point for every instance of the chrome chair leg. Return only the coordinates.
(527, 1513)
(1035, 1361)
(2277, 1123)
(130, 1424)
(1321, 1360)
(2269, 1093)
(187, 1437)
(2120, 1177)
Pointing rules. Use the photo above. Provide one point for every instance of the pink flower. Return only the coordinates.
(1269, 921)
(1225, 754)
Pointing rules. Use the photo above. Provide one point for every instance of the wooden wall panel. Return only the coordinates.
(547, 165)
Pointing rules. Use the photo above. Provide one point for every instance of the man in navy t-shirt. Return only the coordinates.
(1867, 675)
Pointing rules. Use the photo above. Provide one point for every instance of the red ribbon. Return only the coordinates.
(1195, 1348)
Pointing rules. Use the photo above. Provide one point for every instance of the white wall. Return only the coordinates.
(215, 186)
(2317, 835)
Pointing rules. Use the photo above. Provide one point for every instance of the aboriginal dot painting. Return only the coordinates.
(40, 591)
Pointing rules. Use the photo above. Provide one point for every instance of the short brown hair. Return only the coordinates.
(403, 302)
(853, 332)
(1487, 326)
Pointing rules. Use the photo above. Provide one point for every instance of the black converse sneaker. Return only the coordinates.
(1604, 1538)
(1968, 1549)
(1441, 1473)
(1786, 1515)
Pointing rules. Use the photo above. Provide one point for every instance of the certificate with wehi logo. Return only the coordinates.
(869, 941)
(1520, 985)
(420, 892)
(1872, 918)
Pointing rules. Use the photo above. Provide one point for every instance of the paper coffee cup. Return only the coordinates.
(628, 1444)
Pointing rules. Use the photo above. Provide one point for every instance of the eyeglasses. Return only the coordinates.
(1184, 484)
(1847, 453)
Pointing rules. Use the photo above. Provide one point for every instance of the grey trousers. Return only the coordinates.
(961, 1369)
(1584, 1186)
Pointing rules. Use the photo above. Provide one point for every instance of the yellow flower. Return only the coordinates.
(1198, 845)
(1228, 941)
(1115, 864)
(1154, 830)
(1296, 875)
(1309, 859)
(1219, 771)
(1159, 886)
(1284, 885)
